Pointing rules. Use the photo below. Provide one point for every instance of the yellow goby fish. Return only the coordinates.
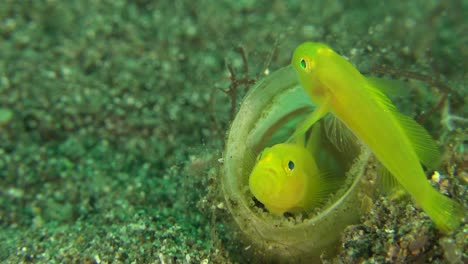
(285, 178)
(398, 142)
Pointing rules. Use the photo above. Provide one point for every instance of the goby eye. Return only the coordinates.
(303, 64)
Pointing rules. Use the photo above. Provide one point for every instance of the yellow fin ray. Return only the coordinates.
(338, 133)
(423, 144)
(387, 183)
(386, 179)
(329, 184)
(388, 87)
(380, 98)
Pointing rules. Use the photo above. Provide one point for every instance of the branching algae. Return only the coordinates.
(266, 118)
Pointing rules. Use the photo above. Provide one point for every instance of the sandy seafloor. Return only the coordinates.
(112, 119)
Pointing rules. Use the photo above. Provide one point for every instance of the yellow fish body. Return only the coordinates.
(399, 143)
(286, 179)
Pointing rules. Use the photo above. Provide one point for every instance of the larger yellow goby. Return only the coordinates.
(398, 142)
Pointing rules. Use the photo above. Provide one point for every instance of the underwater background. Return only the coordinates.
(113, 116)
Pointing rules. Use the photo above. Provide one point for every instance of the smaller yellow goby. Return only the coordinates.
(398, 142)
(286, 179)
